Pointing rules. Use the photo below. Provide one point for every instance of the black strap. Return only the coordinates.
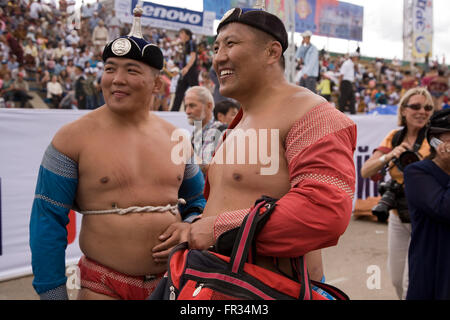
(244, 241)
(301, 273)
(244, 244)
(400, 135)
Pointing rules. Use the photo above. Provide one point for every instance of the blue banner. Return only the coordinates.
(220, 7)
(305, 16)
(165, 17)
(172, 14)
(330, 18)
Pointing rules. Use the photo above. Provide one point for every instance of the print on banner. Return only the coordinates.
(365, 187)
(422, 28)
(171, 18)
(305, 12)
(277, 7)
(330, 18)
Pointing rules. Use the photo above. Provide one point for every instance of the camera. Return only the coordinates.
(390, 191)
(405, 159)
(393, 194)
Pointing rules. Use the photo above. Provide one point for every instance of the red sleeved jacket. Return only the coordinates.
(317, 209)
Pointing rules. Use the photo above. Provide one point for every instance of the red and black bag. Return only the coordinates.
(208, 275)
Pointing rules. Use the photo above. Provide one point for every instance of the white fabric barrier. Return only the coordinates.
(24, 136)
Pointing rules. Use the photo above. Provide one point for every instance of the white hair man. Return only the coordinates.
(199, 106)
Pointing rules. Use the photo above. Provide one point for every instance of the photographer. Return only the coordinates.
(398, 149)
(427, 188)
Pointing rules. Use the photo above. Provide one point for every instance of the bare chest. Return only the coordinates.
(123, 162)
(251, 158)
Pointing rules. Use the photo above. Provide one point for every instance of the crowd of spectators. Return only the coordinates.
(60, 57)
(383, 82)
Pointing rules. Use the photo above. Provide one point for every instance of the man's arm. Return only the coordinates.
(300, 54)
(55, 192)
(54, 197)
(191, 190)
(191, 59)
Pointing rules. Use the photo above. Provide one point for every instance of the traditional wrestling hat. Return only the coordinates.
(259, 19)
(134, 46)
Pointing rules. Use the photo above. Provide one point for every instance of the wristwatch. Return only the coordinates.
(382, 159)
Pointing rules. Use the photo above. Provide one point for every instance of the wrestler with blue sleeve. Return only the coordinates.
(54, 198)
(113, 165)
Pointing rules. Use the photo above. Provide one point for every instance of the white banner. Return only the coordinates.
(372, 129)
(422, 28)
(24, 136)
(164, 17)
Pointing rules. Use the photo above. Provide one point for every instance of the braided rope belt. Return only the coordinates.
(147, 209)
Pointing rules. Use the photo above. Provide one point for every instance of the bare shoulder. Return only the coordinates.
(301, 101)
(162, 124)
(296, 104)
(71, 137)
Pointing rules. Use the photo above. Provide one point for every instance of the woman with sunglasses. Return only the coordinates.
(414, 112)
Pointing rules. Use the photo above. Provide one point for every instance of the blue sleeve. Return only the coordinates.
(427, 190)
(55, 192)
(191, 190)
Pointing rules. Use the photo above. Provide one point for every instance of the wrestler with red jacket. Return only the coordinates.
(314, 178)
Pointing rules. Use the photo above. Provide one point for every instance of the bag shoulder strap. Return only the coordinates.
(252, 224)
(400, 135)
(420, 138)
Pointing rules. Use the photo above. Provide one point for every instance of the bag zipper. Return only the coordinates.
(198, 289)
(216, 284)
(173, 291)
(172, 295)
(242, 294)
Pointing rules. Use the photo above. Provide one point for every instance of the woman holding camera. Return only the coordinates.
(427, 188)
(397, 150)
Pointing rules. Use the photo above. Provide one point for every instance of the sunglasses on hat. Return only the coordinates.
(418, 106)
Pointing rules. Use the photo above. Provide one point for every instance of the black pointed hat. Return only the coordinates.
(134, 46)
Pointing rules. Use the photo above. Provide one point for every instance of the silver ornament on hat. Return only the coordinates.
(136, 27)
(122, 46)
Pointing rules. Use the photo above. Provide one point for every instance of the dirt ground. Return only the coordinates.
(357, 266)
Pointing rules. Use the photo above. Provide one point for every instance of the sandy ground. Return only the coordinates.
(357, 266)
